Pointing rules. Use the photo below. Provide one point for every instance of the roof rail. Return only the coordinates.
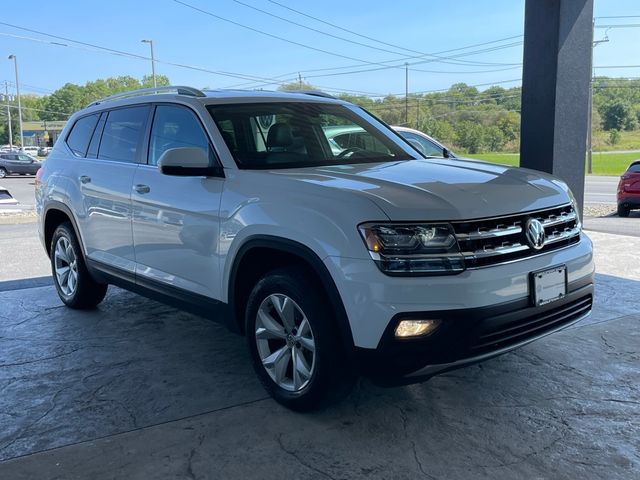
(181, 90)
(315, 93)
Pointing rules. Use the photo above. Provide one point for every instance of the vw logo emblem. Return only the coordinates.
(534, 232)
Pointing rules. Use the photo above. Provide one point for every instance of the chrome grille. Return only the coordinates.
(497, 240)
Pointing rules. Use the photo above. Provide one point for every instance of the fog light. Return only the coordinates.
(416, 328)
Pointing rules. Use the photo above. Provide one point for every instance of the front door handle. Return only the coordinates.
(85, 179)
(142, 189)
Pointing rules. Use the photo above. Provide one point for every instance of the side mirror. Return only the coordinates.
(187, 162)
(445, 152)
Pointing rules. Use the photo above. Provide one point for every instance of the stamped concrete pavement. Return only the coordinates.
(136, 389)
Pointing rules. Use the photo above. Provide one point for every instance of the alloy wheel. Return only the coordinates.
(285, 342)
(66, 266)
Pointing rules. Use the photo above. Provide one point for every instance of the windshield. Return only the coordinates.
(423, 144)
(298, 134)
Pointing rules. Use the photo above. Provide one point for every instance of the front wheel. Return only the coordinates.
(3, 172)
(73, 281)
(293, 342)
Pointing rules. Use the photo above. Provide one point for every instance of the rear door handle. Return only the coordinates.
(85, 179)
(142, 189)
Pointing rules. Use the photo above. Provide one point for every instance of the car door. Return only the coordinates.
(104, 179)
(11, 163)
(24, 164)
(176, 219)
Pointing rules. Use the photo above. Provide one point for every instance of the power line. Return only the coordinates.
(620, 16)
(419, 63)
(385, 67)
(262, 32)
(315, 29)
(453, 57)
(39, 110)
(619, 25)
(476, 85)
(293, 42)
(122, 53)
(617, 66)
(404, 56)
(422, 54)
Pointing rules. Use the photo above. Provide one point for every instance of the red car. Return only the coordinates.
(629, 189)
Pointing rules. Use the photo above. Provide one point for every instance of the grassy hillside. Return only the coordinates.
(603, 163)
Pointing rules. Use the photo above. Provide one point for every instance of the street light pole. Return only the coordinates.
(153, 62)
(6, 93)
(590, 119)
(15, 64)
(406, 94)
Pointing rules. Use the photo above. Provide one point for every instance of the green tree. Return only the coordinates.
(614, 137)
(470, 136)
(509, 124)
(618, 115)
(161, 81)
(441, 130)
(494, 138)
(71, 98)
(287, 87)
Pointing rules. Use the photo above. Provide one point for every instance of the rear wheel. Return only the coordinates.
(623, 211)
(3, 172)
(293, 342)
(73, 282)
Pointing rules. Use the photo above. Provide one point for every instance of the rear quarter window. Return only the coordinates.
(122, 134)
(634, 168)
(80, 134)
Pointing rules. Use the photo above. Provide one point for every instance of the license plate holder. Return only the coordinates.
(549, 285)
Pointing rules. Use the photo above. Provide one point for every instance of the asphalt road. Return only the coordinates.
(598, 189)
(21, 253)
(22, 189)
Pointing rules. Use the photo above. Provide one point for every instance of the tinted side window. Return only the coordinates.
(635, 168)
(97, 135)
(78, 138)
(175, 127)
(122, 134)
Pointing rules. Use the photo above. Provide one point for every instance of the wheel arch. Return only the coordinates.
(281, 252)
(54, 214)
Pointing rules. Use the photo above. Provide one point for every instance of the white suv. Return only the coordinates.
(371, 259)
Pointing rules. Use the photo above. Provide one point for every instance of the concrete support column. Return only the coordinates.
(556, 78)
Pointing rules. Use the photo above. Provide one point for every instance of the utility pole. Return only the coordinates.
(299, 80)
(153, 62)
(6, 96)
(590, 119)
(406, 93)
(417, 113)
(15, 64)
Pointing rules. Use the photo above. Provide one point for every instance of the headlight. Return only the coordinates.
(412, 249)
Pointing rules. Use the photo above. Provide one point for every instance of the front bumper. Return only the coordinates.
(372, 299)
(468, 336)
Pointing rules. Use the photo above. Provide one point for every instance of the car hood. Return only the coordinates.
(443, 189)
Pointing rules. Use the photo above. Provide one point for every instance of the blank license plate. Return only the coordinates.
(549, 285)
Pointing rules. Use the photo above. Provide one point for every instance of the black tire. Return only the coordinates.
(87, 292)
(3, 172)
(623, 211)
(331, 376)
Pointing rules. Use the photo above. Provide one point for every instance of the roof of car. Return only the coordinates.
(208, 97)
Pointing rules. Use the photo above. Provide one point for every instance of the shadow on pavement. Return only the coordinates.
(163, 393)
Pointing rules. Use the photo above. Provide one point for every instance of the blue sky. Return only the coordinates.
(182, 35)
